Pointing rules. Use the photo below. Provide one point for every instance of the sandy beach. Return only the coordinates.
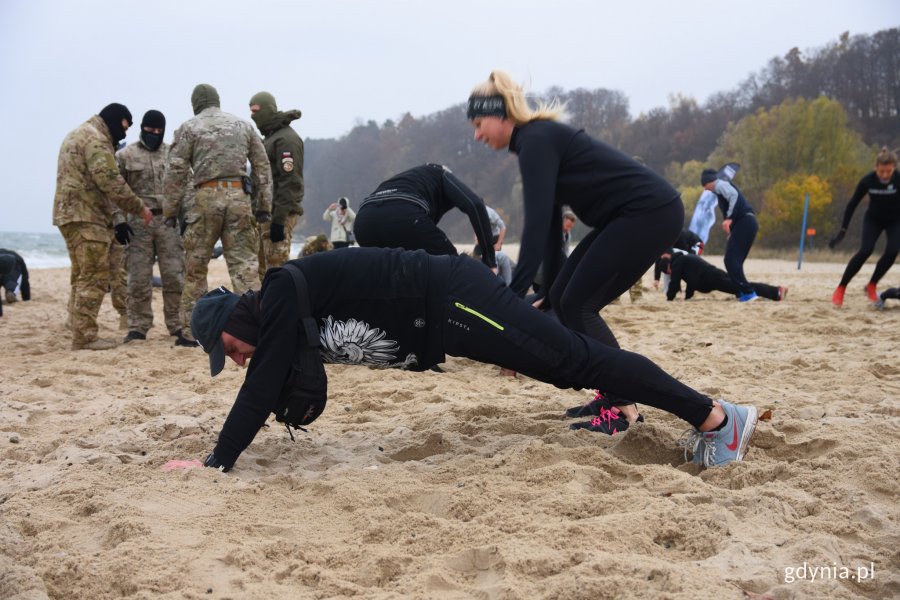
(463, 484)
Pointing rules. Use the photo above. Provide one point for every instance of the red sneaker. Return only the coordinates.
(871, 293)
(837, 298)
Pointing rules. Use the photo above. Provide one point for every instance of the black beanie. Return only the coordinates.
(154, 119)
(112, 115)
(707, 176)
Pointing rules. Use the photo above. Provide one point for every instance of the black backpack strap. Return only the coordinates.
(307, 321)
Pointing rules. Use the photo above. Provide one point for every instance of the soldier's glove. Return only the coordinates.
(837, 239)
(263, 217)
(171, 222)
(124, 233)
(276, 232)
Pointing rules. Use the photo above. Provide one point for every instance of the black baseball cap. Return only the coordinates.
(208, 319)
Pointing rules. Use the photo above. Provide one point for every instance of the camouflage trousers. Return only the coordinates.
(274, 255)
(118, 278)
(88, 245)
(218, 213)
(154, 243)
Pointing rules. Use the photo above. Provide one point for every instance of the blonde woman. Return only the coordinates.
(635, 214)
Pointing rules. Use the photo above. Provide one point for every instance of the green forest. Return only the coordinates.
(807, 122)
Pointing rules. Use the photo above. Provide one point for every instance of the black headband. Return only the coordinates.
(486, 106)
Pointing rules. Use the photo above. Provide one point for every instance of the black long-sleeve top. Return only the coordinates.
(441, 192)
(884, 198)
(371, 306)
(561, 165)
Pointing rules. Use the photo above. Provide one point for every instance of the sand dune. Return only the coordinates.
(463, 484)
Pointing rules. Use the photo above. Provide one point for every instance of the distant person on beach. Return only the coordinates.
(700, 276)
(633, 212)
(143, 165)
(740, 227)
(210, 152)
(342, 219)
(404, 212)
(7, 265)
(883, 215)
(393, 308)
(15, 281)
(88, 186)
(688, 242)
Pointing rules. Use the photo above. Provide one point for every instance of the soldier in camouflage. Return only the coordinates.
(284, 149)
(88, 185)
(212, 148)
(143, 165)
(315, 244)
(118, 277)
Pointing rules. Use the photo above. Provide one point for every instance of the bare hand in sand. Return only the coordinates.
(173, 465)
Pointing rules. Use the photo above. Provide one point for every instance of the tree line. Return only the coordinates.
(806, 122)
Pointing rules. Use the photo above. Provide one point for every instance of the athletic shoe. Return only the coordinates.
(782, 293)
(837, 298)
(594, 407)
(871, 293)
(610, 421)
(134, 335)
(748, 297)
(879, 304)
(692, 441)
(730, 443)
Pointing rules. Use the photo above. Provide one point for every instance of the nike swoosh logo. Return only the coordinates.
(734, 443)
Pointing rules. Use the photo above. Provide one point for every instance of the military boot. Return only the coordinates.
(98, 344)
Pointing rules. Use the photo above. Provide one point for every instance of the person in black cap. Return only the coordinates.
(143, 165)
(407, 309)
(88, 189)
(740, 227)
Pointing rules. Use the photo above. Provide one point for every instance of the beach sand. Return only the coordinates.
(464, 484)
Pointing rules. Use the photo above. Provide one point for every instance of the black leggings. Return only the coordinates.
(872, 228)
(488, 322)
(607, 262)
(398, 223)
(740, 239)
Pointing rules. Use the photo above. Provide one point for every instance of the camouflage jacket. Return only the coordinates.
(88, 183)
(144, 170)
(285, 151)
(216, 145)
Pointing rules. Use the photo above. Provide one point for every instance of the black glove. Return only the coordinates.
(124, 233)
(263, 217)
(171, 222)
(215, 463)
(276, 232)
(837, 239)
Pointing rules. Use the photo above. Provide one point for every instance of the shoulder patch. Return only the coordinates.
(288, 166)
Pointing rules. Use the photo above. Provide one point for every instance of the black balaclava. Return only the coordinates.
(204, 96)
(267, 117)
(156, 120)
(244, 321)
(112, 115)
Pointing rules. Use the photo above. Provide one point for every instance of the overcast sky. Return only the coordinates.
(346, 61)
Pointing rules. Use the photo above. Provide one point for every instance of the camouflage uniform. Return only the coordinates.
(284, 149)
(87, 185)
(216, 146)
(144, 170)
(118, 280)
(315, 244)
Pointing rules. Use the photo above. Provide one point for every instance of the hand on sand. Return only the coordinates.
(173, 465)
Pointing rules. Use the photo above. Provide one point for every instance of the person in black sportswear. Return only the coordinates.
(740, 227)
(403, 212)
(16, 281)
(408, 309)
(687, 241)
(883, 187)
(635, 214)
(700, 276)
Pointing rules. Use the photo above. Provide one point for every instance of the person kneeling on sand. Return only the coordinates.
(394, 308)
